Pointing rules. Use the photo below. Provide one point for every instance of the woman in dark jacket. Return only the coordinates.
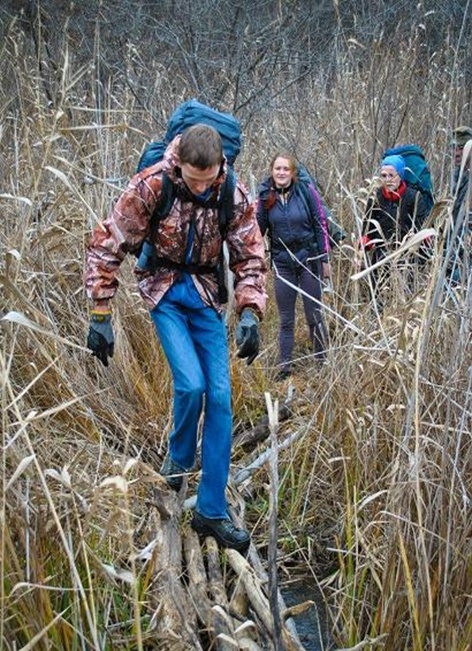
(395, 211)
(298, 247)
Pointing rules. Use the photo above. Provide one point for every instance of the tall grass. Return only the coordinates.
(374, 498)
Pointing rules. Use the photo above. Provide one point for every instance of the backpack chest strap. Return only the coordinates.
(196, 269)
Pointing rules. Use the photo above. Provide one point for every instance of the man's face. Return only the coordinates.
(458, 151)
(198, 180)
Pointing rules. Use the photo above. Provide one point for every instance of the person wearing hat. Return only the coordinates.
(460, 192)
(393, 212)
(460, 137)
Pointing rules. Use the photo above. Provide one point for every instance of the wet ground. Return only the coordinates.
(313, 625)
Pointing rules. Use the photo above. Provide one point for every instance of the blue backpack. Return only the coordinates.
(336, 233)
(186, 115)
(417, 173)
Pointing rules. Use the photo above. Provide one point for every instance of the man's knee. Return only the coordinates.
(219, 397)
(192, 390)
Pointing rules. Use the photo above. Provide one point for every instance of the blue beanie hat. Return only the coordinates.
(396, 161)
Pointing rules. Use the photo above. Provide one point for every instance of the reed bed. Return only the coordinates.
(374, 498)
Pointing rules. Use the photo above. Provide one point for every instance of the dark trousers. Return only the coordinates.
(286, 297)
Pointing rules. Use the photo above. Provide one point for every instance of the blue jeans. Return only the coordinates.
(193, 337)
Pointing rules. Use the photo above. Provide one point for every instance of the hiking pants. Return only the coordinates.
(193, 337)
(286, 297)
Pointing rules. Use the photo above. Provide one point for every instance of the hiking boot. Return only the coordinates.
(172, 472)
(223, 530)
(282, 375)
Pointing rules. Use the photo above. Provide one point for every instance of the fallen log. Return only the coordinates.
(215, 578)
(248, 636)
(257, 598)
(298, 609)
(223, 629)
(245, 473)
(177, 627)
(256, 563)
(197, 579)
(248, 439)
(203, 597)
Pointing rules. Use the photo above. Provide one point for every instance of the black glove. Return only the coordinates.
(101, 339)
(247, 335)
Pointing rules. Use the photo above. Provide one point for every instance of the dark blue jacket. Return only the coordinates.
(290, 222)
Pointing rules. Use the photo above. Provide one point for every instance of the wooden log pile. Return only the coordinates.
(206, 597)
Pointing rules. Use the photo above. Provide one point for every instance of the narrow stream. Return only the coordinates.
(312, 625)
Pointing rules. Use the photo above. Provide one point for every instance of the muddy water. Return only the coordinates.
(312, 625)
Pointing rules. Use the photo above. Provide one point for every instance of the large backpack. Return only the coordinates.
(186, 115)
(417, 173)
(191, 113)
(336, 233)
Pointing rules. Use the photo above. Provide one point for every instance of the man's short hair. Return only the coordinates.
(200, 146)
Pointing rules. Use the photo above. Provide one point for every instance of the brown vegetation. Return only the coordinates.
(374, 496)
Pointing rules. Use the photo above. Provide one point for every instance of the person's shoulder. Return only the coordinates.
(149, 174)
(146, 184)
(241, 191)
(376, 197)
(411, 193)
(264, 188)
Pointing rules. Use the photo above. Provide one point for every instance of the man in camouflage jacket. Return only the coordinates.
(182, 295)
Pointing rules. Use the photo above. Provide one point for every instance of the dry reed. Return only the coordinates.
(374, 497)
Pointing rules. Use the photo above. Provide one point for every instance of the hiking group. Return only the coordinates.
(174, 216)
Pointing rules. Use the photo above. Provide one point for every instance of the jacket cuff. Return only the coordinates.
(101, 305)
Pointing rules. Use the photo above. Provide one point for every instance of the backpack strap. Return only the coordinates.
(314, 204)
(163, 206)
(226, 201)
(225, 214)
(166, 200)
(308, 199)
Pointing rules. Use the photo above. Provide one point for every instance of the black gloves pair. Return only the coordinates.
(101, 339)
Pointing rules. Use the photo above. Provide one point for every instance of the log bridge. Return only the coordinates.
(211, 598)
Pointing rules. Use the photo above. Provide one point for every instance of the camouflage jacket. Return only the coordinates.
(128, 225)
